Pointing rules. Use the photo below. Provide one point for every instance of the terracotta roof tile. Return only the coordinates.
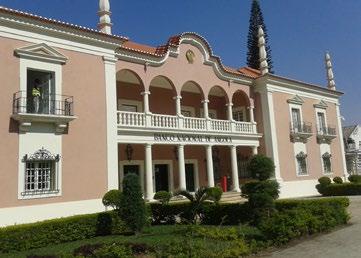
(57, 22)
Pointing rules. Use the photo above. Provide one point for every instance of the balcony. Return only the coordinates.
(326, 134)
(300, 132)
(56, 109)
(169, 123)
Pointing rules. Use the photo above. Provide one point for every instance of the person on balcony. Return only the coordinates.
(36, 94)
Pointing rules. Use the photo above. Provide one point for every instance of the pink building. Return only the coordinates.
(82, 107)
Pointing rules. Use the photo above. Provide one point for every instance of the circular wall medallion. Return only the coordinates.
(190, 56)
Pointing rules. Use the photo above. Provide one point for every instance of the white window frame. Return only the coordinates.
(295, 106)
(297, 165)
(323, 111)
(323, 165)
(129, 102)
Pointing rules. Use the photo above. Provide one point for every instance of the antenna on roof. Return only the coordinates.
(105, 24)
(331, 85)
(262, 52)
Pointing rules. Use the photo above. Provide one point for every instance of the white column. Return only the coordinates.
(229, 111)
(178, 105)
(205, 108)
(210, 174)
(146, 101)
(235, 179)
(149, 192)
(251, 113)
(181, 168)
(111, 109)
(254, 150)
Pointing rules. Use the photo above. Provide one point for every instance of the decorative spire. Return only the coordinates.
(331, 85)
(104, 24)
(262, 52)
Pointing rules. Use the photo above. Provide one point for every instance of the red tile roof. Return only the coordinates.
(57, 22)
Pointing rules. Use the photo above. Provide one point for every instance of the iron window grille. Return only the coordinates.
(327, 167)
(41, 173)
(301, 163)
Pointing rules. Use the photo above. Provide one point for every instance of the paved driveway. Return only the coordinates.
(345, 242)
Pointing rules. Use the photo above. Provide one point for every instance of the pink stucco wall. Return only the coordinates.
(84, 171)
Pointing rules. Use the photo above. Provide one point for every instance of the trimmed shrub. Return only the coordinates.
(215, 193)
(163, 197)
(132, 208)
(261, 167)
(112, 199)
(342, 189)
(56, 231)
(296, 218)
(337, 180)
(167, 214)
(324, 180)
(355, 178)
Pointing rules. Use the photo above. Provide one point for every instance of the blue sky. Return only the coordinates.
(300, 32)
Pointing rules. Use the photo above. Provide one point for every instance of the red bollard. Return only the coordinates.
(224, 184)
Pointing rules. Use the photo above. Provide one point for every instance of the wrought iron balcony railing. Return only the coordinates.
(329, 130)
(57, 105)
(301, 128)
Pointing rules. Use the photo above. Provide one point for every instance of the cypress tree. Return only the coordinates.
(132, 206)
(255, 20)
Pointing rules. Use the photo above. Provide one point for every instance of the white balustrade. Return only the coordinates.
(194, 123)
(131, 119)
(220, 125)
(164, 121)
(243, 127)
(134, 119)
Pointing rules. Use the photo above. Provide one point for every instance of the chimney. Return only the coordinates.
(331, 85)
(262, 52)
(104, 24)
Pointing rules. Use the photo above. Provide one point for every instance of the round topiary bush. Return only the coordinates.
(261, 167)
(324, 180)
(132, 206)
(355, 178)
(215, 193)
(163, 196)
(337, 180)
(112, 199)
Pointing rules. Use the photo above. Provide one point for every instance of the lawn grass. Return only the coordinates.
(154, 236)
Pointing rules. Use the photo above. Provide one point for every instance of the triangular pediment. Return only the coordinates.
(296, 100)
(42, 52)
(322, 104)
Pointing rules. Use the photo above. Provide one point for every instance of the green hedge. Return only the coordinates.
(41, 234)
(304, 217)
(340, 189)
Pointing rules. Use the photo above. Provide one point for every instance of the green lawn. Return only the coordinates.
(171, 240)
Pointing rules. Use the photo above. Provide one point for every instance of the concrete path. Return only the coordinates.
(345, 242)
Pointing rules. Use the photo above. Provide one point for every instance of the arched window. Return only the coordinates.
(41, 173)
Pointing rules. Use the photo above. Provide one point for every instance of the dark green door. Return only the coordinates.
(161, 177)
(190, 177)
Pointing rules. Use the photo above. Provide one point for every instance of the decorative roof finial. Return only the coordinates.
(331, 85)
(104, 24)
(262, 52)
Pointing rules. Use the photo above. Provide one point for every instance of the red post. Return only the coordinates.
(224, 184)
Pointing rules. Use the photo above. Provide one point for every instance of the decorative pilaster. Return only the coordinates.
(210, 173)
(331, 85)
(262, 51)
(104, 24)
